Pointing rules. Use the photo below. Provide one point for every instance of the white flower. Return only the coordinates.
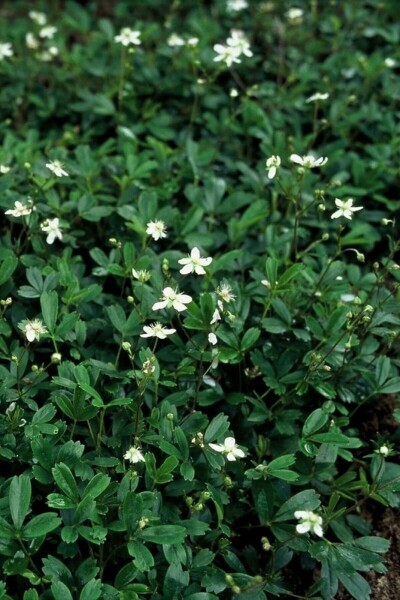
(309, 521)
(33, 330)
(19, 210)
(212, 338)
(134, 455)
(227, 54)
(193, 41)
(345, 209)
(347, 297)
(216, 317)
(309, 161)
(175, 40)
(4, 169)
(224, 291)
(171, 298)
(228, 448)
(52, 228)
(294, 14)
(156, 330)
(142, 275)
(10, 409)
(236, 5)
(273, 163)
(48, 32)
(239, 41)
(5, 50)
(31, 41)
(57, 168)
(38, 17)
(157, 229)
(194, 263)
(318, 96)
(390, 63)
(127, 37)
(383, 450)
(233, 92)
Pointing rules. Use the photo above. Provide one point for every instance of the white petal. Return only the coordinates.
(195, 253)
(296, 159)
(303, 527)
(217, 447)
(187, 269)
(199, 270)
(318, 530)
(159, 305)
(229, 443)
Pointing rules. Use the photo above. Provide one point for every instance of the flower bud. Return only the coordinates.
(56, 358)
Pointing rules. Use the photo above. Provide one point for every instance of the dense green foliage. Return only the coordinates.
(234, 445)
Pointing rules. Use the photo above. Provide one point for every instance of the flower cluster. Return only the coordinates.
(309, 522)
(128, 37)
(236, 45)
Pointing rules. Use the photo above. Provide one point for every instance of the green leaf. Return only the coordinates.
(163, 473)
(116, 314)
(373, 543)
(382, 370)
(249, 339)
(66, 481)
(30, 594)
(356, 585)
(164, 534)
(96, 486)
(92, 590)
(49, 306)
(217, 428)
(19, 499)
(60, 591)
(142, 557)
(7, 268)
(315, 421)
(305, 500)
(41, 525)
(97, 399)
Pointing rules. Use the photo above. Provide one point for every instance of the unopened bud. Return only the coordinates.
(130, 299)
(126, 346)
(360, 257)
(35, 368)
(170, 417)
(56, 358)
(325, 237)
(265, 544)
(321, 207)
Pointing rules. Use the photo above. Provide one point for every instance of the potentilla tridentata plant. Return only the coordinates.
(199, 301)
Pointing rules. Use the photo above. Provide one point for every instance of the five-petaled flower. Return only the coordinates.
(19, 210)
(134, 455)
(128, 36)
(156, 330)
(194, 263)
(156, 229)
(345, 209)
(229, 448)
(227, 54)
(171, 298)
(239, 41)
(273, 163)
(52, 228)
(5, 50)
(309, 161)
(57, 168)
(33, 329)
(309, 521)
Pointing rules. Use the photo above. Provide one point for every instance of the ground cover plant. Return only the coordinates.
(199, 299)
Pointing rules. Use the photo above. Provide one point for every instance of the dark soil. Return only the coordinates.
(386, 586)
